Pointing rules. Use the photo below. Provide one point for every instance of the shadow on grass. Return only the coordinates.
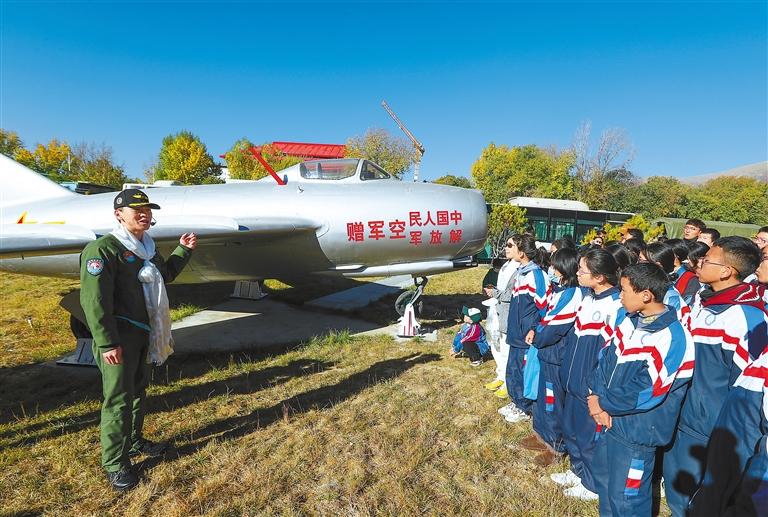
(438, 310)
(242, 384)
(320, 398)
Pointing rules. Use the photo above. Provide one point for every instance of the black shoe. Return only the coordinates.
(148, 448)
(123, 480)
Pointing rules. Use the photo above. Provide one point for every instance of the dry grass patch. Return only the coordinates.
(339, 426)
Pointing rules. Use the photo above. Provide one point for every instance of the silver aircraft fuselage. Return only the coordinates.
(265, 230)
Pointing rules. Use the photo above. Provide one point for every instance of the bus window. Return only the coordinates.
(561, 227)
(540, 227)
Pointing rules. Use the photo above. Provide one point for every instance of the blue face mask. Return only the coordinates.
(552, 277)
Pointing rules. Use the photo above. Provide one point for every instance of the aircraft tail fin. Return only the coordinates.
(19, 184)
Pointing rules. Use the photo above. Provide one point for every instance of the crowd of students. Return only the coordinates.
(641, 362)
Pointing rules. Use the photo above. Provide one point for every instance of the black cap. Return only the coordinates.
(134, 198)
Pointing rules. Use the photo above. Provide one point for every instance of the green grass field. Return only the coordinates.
(338, 426)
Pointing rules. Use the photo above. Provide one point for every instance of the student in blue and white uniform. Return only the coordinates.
(637, 391)
(550, 338)
(528, 305)
(728, 324)
(736, 438)
(761, 274)
(594, 325)
(662, 254)
(684, 275)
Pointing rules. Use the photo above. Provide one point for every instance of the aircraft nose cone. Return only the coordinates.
(478, 227)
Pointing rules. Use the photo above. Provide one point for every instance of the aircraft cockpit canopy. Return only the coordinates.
(371, 171)
(341, 169)
(328, 169)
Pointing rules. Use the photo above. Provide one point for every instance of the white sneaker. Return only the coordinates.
(516, 416)
(567, 478)
(580, 492)
(505, 410)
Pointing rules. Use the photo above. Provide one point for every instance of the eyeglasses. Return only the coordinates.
(581, 272)
(510, 244)
(703, 262)
(759, 239)
(689, 227)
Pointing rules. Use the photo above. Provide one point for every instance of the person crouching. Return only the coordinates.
(471, 337)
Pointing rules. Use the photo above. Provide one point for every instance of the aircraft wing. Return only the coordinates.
(29, 240)
(170, 228)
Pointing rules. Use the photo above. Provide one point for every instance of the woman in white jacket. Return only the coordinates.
(496, 324)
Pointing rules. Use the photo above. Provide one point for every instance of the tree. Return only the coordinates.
(243, 165)
(454, 181)
(53, 160)
(94, 164)
(184, 158)
(730, 199)
(503, 221)
(395, 155)
(503, 172)
(614, 232)
(603, 176)
(240, 163)
(10, 143)
(658, 196)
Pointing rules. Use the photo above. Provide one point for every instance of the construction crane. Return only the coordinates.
(416, 143)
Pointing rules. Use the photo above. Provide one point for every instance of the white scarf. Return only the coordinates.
(506, 273)
(155, 296)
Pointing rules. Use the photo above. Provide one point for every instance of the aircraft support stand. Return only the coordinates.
(408, 325)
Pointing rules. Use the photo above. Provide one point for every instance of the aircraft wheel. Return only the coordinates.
(79, 329)
(404, 299)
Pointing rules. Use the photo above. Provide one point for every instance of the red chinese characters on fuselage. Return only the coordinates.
(422, 228)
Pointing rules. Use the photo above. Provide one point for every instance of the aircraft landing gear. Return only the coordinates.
(408, 305)
(79, 329)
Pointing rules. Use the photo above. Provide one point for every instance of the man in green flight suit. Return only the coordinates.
(126, 307)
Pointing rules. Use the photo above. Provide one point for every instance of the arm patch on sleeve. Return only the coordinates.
(94, 266)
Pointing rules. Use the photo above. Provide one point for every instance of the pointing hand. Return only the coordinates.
(188, 240)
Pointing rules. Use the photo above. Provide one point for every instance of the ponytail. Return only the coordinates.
(526, 243)
(601, 262)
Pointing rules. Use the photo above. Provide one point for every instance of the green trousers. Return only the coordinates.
(124, 386)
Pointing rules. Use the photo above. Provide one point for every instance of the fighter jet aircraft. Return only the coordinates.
(344, 217)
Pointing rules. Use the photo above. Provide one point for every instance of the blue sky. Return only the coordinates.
(687, 81)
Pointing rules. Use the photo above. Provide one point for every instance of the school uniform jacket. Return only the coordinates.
(686, 283)
(739, 435)
(643, 375)
(528, 304)
(673, 298)
(753, 496)
(475, 332)
(557, 324)
(729, 329)
(594, 326)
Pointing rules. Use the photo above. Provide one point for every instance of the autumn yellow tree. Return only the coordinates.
(504, 172)
(243, 165)
(10, 142)
(395, 155)
(454, 181)
(503, 221)
(184, 158)
(94, 163)
(54, 160)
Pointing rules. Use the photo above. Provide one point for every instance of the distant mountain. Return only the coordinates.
(759, 171)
